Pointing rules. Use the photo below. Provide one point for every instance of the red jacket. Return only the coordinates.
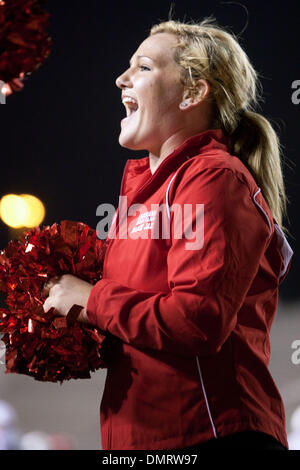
(190, 327)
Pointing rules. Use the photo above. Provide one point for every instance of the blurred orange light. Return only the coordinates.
(13, 210)
(22, 210)
(35, 211)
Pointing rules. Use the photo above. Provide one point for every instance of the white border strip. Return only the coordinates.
(206, 400)
(284, 247)
(261, 208)
(167, 196)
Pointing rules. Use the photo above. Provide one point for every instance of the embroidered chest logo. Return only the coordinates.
(144, 221)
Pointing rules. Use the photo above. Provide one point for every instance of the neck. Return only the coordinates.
(174, 141)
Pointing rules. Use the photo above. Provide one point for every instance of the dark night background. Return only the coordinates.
(59, 138)
(60, 134)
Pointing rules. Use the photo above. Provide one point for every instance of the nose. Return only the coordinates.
(123, 81)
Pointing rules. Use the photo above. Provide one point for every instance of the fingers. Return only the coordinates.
(16, 84)
(7, 90)
(49, 284)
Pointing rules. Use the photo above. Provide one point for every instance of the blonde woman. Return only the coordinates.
(188, 312)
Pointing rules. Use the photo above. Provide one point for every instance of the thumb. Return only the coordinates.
(47, 305)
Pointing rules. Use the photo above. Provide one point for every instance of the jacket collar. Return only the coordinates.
(138, 170)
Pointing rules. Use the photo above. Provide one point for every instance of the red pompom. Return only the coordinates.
(43, 345)
(24, 41)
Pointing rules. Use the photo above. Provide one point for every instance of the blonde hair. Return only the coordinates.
(207, 51)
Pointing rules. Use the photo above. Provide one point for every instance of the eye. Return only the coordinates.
(144, 67)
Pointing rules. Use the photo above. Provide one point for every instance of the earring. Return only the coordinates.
(183, 104)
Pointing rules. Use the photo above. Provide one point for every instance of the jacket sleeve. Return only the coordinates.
(207, 284)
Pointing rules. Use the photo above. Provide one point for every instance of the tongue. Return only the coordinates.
(132, 111)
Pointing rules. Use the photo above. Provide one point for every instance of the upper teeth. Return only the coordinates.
(128, 99)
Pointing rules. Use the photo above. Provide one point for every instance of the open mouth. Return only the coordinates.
(131, 106)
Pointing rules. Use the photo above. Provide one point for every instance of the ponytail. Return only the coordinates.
(256, 143)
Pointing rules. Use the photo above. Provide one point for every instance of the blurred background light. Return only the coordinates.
(22, 210)
(35, 213)
(13, 210)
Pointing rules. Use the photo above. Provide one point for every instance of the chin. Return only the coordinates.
(129, 143)
(126, 143)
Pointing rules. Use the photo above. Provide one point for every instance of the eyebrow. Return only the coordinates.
(139, 56)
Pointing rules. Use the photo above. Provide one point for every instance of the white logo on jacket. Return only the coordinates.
(144, 221)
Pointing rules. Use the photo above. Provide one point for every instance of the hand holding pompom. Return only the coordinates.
(65, 292)
(16, 84)
(42, 335)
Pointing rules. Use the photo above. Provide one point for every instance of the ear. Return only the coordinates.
(190, 101)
